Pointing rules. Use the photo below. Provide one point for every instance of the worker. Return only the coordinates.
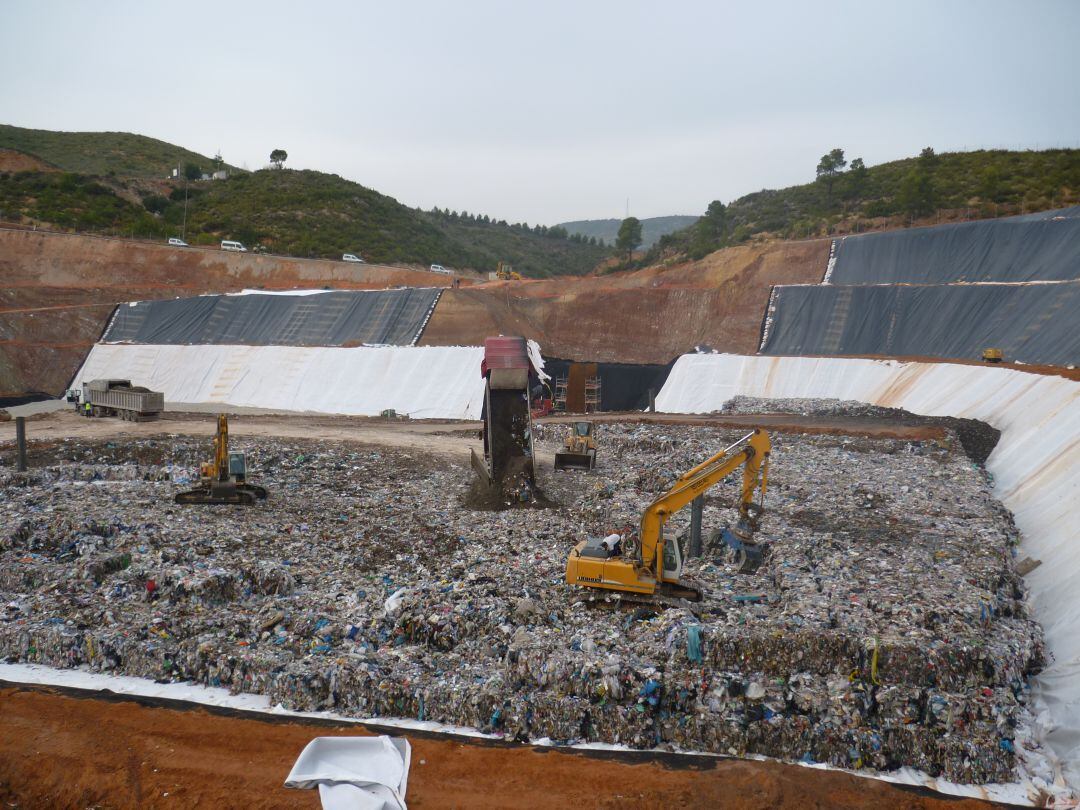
(613, 544)
(86, 409)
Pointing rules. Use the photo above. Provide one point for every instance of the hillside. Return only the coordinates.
(102, 153)
(914, 191)
(607, 229)
(121, 191)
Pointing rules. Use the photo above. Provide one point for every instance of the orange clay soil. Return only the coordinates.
(58, 750)
(55, 301)
(646, 316)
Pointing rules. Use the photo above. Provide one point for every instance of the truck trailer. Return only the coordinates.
(120, 398)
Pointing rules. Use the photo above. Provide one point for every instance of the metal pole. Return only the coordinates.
(20, 443)
(695, 526)
(652, 400)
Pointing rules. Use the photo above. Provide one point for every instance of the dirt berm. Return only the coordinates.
(59, 289)
(648, 316)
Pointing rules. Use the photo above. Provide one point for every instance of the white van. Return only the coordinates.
(229, 245)
(351, 257)
(177, 242)
(438, 268)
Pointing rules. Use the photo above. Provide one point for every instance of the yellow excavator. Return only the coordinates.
(223, 479)
(657, 564)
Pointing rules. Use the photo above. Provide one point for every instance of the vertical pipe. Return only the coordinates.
(695, 526)
(652, 400)
(20, 443)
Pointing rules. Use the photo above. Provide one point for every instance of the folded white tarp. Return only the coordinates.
(428, 382)
(355, 773)
(1036, 469)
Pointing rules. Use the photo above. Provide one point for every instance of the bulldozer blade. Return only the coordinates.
(575, 461)
(480, 467)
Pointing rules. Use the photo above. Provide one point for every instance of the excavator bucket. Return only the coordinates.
(565, 460)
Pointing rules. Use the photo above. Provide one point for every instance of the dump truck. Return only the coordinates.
(507, 430)
(119, 398)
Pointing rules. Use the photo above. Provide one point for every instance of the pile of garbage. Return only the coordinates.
(887, 626)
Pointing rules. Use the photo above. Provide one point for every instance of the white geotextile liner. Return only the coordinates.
(429, 382)
(1036, 467)
(354, 773)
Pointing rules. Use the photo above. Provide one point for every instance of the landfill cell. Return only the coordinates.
(887, 626)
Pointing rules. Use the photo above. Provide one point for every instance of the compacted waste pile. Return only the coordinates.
(886, 628)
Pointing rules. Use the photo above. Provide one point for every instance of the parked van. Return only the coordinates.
(229, 245)
(438, 268)
(351, 257)
(177, 242)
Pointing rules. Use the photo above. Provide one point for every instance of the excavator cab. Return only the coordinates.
(237, 466)
(673, 561)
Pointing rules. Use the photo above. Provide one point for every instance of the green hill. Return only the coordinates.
(115, 183)
(606, 230)
(102, 153)
(308, 213)
(912, 191)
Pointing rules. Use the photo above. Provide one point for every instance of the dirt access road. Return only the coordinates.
(167, 755)
(434, 436)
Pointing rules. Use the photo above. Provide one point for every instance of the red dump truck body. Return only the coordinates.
(506, 362)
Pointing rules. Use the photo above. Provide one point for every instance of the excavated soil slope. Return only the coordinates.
(164, 756)
(58, 289)
(648, 316)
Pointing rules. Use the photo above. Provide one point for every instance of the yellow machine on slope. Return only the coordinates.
(223, 479)
(504, 272)
(658, 563)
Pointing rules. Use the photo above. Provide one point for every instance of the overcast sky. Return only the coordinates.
(551, 111)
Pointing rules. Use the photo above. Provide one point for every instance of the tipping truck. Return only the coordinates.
(507, 431)
(119, 398)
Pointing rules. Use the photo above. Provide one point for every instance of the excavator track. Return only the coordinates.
(245, 494)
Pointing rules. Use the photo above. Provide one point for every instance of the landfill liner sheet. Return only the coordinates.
(338, 318)
(1030, 323)
(1036, 247)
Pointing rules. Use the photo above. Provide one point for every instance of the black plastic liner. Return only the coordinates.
(1036, 247)
(339, 318)
(623, 386)
(1031, 323)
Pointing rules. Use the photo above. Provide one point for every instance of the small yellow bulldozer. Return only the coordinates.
(579, 450)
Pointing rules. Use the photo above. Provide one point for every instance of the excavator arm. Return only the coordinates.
(754, 454)
(221, 448)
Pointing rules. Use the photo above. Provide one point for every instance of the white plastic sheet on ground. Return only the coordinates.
(354, 773)
(1036, 468)
(424, 382)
